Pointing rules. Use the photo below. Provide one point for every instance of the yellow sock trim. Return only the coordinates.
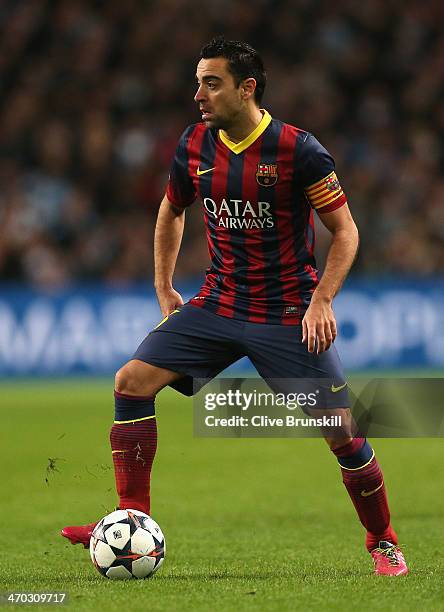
(153, 416)
(362, 466)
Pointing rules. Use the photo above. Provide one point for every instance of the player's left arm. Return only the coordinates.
(319, 323)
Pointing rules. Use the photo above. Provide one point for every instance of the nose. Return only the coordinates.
(199, 97)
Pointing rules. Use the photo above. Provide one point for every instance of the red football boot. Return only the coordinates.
(79, 535)
(389, 560)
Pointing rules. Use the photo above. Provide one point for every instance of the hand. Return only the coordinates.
(169, 300)
(319, 325)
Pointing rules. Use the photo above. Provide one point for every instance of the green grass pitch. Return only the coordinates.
(250, 524)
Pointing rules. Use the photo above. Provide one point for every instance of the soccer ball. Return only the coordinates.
(127, 544)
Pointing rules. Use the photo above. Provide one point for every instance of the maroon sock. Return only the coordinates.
(365, 485)
(134, 444)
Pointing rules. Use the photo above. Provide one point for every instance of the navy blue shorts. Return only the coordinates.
(200, 344)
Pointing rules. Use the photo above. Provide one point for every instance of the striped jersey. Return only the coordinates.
(257, 197)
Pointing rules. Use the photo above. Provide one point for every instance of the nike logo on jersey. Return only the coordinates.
(336, 389)
(199, 171)
(365, 493)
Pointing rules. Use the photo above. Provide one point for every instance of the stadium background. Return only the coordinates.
(93, 97)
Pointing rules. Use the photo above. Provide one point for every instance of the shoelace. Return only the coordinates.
(393, 554)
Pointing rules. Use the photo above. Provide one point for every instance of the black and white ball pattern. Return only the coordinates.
(127, 544)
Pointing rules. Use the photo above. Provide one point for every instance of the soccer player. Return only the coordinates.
(259, 180)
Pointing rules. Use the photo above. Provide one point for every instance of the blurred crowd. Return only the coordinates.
(94, 96)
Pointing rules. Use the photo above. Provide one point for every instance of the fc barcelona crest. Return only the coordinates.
(267, 175)
(332, 183)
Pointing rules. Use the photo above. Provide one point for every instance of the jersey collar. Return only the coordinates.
(238, 147)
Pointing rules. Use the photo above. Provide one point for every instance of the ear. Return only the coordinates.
(248, 87)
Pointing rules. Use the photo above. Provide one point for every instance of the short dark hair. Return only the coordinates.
(244, 62)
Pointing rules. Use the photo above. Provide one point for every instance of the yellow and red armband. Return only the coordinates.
(326, 195)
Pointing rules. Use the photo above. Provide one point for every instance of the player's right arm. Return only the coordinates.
(167, 239)
(170, 224)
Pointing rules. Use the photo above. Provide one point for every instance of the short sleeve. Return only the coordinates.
(180, 189)
(316, 173)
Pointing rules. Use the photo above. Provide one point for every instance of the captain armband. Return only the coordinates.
(326, 195)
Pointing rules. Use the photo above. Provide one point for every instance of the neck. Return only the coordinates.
(246, 123)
